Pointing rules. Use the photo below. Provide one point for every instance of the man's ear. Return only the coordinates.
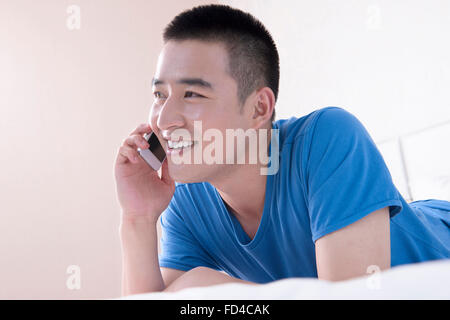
(263, 107)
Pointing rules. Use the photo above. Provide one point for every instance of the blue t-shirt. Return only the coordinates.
(330, 175)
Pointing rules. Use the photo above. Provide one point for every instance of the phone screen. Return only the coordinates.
(156, 148)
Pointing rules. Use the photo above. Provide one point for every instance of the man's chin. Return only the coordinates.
(186, 173)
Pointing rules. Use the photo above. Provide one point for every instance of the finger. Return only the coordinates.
(137, 141)
(127, 154)
(141, 129)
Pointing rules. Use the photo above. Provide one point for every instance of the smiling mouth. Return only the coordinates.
(180, 145)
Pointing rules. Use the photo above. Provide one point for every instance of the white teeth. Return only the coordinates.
(179, 144)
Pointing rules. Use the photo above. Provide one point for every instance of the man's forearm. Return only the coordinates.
(202, 277)
(140, 266)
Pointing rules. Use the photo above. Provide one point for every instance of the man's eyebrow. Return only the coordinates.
(190, 81)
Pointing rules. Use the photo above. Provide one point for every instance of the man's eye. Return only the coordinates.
(192, 93)
(189, 94)
(157, 94)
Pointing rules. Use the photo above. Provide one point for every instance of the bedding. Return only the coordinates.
(426, 280)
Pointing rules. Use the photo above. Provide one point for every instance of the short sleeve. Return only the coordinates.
(345, 175)
(179, 248)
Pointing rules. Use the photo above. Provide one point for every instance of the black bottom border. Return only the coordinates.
(218, 309)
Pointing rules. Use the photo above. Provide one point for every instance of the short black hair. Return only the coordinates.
(253, 55)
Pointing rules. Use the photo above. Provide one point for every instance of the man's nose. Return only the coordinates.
(170, 116)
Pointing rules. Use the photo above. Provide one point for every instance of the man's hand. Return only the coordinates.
(140, 191)
(202, 277)
(348, 252)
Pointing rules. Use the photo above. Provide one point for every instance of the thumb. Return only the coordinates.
(165, 176)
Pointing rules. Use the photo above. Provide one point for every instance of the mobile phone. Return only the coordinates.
(155, 154)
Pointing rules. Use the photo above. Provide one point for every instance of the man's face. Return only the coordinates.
(180, 99)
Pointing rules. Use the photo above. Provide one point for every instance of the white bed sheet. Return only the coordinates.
(428, 280)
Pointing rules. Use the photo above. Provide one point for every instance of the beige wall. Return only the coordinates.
(67, 100)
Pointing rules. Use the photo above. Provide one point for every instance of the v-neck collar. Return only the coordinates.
(239, 234)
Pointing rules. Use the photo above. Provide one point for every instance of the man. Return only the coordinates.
(329, 210)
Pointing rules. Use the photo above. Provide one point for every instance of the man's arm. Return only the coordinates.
(202, 277)
(348, 252)
(141, 272)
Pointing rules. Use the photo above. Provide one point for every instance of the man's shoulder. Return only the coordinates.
(294, 127)
(188, 192)
(190, 197)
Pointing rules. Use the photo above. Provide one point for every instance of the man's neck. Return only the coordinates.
(243, 189)
(244, 192)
